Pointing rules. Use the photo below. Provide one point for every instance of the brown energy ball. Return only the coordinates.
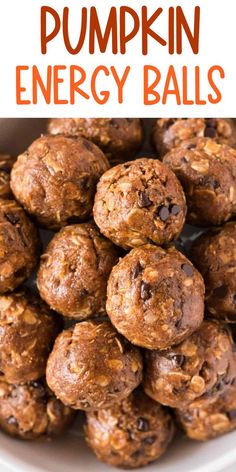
(31, 410)
(19, 245)
(169, 133)
(203, 364)
(92, 366)
(27, 333)
(214, 253)
(207, 171)
(74, 270)
(209, 418)
(130, 434)
(119, 138)
(55, 179)
(155, 297)
(140, 202)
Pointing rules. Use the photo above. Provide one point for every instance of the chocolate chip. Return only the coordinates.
(209, 182)
(187, 417)
(178, 359)
(13, 219)
(184, 160)
(220, 292)
(84, 292)
(188, 270)
(190, 146)
(175, 209)
(210, 132)
(178, 323)
(12, 420)
(143, 200)
(142, 424)
(149, 440)
(231, 415)
(234, 298)
(214, 184)
(137, 454)
(163, 213)
(137, 270)
(145, 291)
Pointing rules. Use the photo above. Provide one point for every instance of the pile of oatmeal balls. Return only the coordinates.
(124, 324)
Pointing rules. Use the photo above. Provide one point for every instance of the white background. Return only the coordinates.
(20, 45)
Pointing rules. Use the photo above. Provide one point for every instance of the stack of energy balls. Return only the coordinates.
(149, 342)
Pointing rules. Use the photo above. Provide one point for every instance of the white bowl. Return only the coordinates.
(70, 452)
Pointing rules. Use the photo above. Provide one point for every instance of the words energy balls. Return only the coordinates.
(139, 202)
(91, 366)
(55, 179)
(155, 297)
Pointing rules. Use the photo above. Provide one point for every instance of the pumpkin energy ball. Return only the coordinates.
(30, 411)
(169, 133)
(214, 253)
(55, 179)
(140, 202)
(155, 297)
(203, 364)
(119, 138)
(19, 245)
(73, 272)
(91, 366)
(130, 434)
(27, 333)
(209, 418)
(207, 171)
